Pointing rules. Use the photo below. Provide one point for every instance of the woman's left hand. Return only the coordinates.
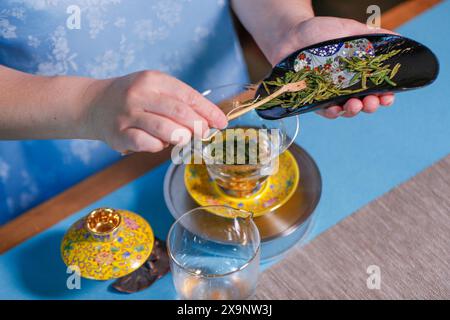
(319, 29)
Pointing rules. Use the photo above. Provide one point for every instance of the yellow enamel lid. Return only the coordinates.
(107, 243)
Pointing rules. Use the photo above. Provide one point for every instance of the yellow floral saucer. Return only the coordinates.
(275, 192)
(107, 244)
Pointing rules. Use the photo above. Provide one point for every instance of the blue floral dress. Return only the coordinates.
(193, 40)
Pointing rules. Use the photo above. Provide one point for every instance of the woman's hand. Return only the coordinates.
(147, 111)
(283, 27)
(318, 29)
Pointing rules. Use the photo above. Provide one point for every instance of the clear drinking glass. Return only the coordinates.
(272, 137)
(214, 253)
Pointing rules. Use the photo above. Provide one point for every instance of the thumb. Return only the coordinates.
(364, 28)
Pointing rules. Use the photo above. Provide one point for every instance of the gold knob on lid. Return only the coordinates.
(103, 223)
(107, 243)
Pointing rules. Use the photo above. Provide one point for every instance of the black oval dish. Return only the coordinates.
(419, 68)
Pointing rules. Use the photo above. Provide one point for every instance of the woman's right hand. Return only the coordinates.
(146, 111)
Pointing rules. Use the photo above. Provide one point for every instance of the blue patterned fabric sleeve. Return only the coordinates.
(193, 40)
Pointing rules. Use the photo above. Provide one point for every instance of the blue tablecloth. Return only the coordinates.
(360, 159)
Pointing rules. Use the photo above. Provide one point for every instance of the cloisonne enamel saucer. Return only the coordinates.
(279, 229)
(274, 192)
(107, 244)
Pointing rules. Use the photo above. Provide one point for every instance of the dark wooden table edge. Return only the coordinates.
(133, 166)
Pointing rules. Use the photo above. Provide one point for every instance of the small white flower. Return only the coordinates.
(107, 64)
(26, 199)
(126, 52)
(37, 4)
(7, 30)
(18, 13)
(146, 30)
(33, 42)
(61, 60)
(84, 149)
(200, 33)
(120, 22)
(96, 25)
(10, 204)
(4, 170)
(168, 12)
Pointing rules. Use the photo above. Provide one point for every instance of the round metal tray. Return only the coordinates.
(280, 229)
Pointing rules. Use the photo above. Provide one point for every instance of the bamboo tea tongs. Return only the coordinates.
(244, 108)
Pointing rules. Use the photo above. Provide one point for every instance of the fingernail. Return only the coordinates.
(390, 101)
(183, 137)
(340, 114)
(206, 133)
(221, 127)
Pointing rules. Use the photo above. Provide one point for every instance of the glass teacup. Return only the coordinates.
(214, 253)
(241, 157)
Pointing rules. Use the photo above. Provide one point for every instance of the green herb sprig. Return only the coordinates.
(320, 85)
(372, 68)
(239, 146)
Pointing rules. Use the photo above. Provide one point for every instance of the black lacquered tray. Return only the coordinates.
(419, 68)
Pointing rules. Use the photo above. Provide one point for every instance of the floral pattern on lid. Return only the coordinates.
(102, 260)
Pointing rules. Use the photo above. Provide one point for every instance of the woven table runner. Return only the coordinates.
(402, 239)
